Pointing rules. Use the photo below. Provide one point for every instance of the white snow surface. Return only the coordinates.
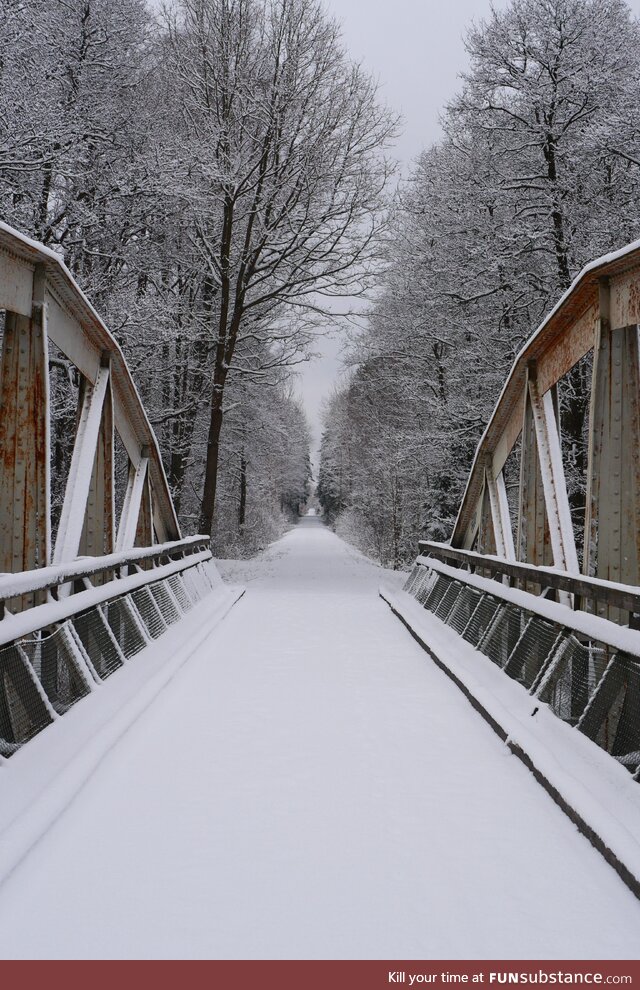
(310, 785)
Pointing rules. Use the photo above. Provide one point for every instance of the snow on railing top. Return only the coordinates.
(624, 596)
(51, 613)
(26, 582)
(593, 627)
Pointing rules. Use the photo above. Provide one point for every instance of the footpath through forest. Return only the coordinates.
(310, 785)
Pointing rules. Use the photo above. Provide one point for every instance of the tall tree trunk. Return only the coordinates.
(213, 459)
(242, 508)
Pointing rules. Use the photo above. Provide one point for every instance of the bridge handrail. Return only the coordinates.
(53, 613)
(46, 578)
(621, 596)
(593, 627)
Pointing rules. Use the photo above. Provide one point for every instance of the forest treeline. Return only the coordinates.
(211, 175)
(537, 172)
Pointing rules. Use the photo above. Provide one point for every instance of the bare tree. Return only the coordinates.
(286, 174)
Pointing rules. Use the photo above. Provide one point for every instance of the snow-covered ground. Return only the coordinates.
(309, 785)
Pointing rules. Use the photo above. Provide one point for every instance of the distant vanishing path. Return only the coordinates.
(308, 786)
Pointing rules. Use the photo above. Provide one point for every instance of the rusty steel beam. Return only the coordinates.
(79, 333)
(98, 531)
(43, 303)
(25, 540)
(500, 514)
(599, 313)
(612, 525)
(563, 338)
(74, 507)
(133, 500)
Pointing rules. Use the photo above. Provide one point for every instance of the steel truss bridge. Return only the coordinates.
(509, 586)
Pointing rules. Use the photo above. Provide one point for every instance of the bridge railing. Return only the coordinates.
(55, 653)
(511, 583)
(585, 592)
(585, 668)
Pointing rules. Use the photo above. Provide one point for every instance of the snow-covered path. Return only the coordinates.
(311, 786)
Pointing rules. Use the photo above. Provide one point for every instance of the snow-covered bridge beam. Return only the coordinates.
(43, 307)
(598, 315)
(24, 437)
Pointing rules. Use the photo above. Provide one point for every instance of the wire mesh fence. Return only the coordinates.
(44, 675)
(584, 682)
(58, 667)
(24, 710)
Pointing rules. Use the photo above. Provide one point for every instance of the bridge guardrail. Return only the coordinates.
(582, 587)
(54, 654)
(585, 668)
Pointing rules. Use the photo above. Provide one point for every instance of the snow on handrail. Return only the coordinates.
(14, 627)
(594, 627)
(612, 593)
(25, 582)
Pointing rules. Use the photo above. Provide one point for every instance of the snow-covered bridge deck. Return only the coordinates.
(309, 784)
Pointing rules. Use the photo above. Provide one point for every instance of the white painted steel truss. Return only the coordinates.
(42, 303)
(600, 313)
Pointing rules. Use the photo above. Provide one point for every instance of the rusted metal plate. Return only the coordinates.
(566, 350)
(80, 334)
(71, 339)
(625, 299)
(613, 498)
(24, 444)
(16, 284)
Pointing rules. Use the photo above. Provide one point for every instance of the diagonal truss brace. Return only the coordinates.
(553, 480)
(80, 472)
(138, 482)
(500, 515)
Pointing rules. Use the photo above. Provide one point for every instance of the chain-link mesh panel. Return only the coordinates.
(211, 572)
(611, 717)
(437, 591)
(424, 585)
(412, 580)
(481, 619)
(448, 600)
(149, 612)
(532, 651)
(57, 667)
(502, 635)
(194, 585)
(207, 575)
(98, 642)
(572, 678)
(165, 602)
(23, 712)
(176, 584)
(124, 627)
(464, 608)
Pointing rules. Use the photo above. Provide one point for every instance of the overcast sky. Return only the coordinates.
(414, 49)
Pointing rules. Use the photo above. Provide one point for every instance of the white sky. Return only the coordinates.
(414, 48)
